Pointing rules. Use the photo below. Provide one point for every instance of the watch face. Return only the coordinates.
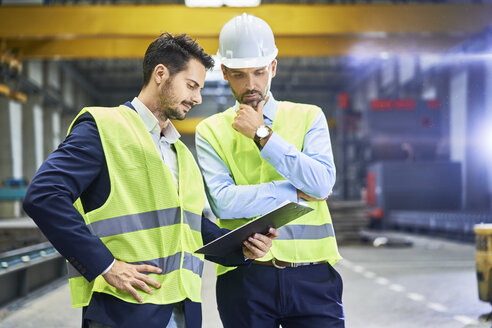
(262, 132)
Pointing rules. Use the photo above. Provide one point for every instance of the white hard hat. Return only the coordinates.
(246, 41)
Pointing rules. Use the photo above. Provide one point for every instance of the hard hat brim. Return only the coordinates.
(247, 62)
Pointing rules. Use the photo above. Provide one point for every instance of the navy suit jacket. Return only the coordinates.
(77, 168)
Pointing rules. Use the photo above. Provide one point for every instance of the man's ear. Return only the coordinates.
(160, 74)
(274, 67)
(224, 72)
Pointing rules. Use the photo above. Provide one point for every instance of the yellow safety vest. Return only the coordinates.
(145, 220)
(310, 238)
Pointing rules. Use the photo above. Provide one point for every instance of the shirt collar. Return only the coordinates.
(170, 134)
(269, 109)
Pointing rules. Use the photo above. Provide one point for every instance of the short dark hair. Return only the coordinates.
(174, 52)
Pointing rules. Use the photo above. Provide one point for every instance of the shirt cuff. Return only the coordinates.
(275, 149)
(108, 268)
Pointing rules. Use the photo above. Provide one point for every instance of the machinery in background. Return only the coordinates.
(389, 130)
(422, 197)
(397, 153)
(412, 186)
(15, 189)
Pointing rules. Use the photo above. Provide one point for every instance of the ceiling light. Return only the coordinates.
(204, 3)
(219, 3)
(242, 3)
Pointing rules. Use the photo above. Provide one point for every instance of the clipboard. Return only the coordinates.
(233, 240)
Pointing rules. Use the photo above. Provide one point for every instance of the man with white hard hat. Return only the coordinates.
(255, 156)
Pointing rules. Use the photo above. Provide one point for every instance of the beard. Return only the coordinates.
(170, 103)
(173, 113)
(252, 102)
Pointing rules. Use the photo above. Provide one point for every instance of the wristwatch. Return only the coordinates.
(261, 133)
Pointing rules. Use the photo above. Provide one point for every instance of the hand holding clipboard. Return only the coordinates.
(231, 241)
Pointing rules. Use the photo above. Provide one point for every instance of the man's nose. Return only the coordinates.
(249, 83)
(197, 97)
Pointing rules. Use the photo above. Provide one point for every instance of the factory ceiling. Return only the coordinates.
(323, 48)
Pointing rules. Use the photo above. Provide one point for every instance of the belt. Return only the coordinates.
(282, 265)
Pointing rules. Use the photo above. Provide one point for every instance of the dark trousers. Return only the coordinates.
(265, 297)
(113, 312)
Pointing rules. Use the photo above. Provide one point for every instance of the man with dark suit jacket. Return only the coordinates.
(122, 199)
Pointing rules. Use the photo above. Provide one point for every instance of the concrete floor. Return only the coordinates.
(431, 284)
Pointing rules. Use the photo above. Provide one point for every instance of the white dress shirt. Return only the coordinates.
(162, 139)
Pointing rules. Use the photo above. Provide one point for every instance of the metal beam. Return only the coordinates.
(285, 19)
(91, 48)
(300, 30)
(188, 125)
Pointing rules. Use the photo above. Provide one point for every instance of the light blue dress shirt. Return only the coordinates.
(311, 171)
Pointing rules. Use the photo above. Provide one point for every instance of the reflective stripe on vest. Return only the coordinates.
(142, 221)
(167, 264)
(305, 232)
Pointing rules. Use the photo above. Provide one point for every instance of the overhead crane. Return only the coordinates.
(301, 30)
